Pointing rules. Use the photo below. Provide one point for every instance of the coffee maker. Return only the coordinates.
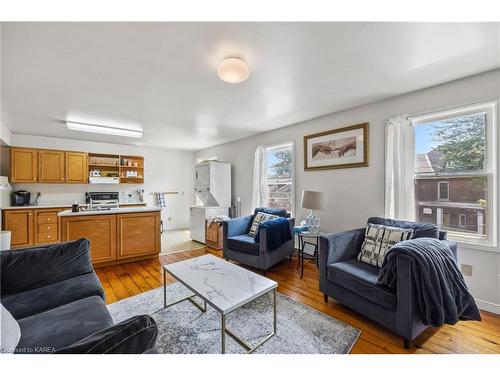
(20, 198)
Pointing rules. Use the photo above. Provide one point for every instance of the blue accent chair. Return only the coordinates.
(239, 246)
(354, 283)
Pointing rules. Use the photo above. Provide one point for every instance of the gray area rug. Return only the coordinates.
(183, 329)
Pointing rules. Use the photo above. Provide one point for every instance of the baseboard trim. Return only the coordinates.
(182, 251)
(488, 306)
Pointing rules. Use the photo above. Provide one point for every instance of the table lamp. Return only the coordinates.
(313, 200)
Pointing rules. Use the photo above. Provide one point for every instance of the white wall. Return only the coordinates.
(5, 133)
(358, 193)
(164, 170)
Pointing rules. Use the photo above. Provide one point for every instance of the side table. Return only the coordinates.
(311, 238)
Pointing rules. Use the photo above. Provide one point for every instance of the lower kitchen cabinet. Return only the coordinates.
(46, 226)
(138, 234)
(116, 238)
(100, 230)
(31, 227)
(21, 225)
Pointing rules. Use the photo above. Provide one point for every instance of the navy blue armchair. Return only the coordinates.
(241, 247)
(354, 283)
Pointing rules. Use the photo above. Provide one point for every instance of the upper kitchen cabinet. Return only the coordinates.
(24, 165)
(72, 167)
(131, 169)
(76, 167)
(51, 166)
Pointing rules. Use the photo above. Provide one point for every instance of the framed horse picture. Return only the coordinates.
(340, 148)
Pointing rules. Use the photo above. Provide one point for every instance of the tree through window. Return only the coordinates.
(280, 176)
(451, 173)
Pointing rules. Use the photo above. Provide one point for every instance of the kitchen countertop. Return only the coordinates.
(121, 210)
(62, 206)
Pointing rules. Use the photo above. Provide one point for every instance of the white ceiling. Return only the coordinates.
(162, 76)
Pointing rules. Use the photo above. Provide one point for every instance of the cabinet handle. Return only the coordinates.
(48, 236)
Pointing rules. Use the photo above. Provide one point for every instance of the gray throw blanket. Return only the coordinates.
(442, 295)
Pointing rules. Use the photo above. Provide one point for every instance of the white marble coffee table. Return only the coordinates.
(224, 286)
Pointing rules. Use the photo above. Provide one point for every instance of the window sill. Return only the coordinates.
(469, 245)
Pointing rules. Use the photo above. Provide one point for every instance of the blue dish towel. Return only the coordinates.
(160, 200)
(278, 232)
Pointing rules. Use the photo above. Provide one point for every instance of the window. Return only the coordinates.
(443, 191)
(455, 168)
(280, 170)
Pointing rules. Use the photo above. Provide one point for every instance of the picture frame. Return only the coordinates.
(346, 147)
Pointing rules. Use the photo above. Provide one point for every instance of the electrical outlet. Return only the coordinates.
(169, 218)
(466, 269)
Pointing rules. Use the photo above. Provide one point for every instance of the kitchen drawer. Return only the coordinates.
(47, 237)
(46, 218)
(44, 228)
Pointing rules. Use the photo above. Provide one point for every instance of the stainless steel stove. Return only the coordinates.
(98, 201)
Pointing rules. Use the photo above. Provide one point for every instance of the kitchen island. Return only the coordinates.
(118, 235)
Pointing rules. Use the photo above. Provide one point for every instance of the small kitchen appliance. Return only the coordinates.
(20, 198)
(98, 201)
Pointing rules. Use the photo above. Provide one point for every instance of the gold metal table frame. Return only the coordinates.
(224, 329)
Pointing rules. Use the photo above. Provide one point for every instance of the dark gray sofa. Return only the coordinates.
(57, 300)
(241, 247)
(354, 283)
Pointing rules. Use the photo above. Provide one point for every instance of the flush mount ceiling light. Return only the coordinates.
(102, 129)
(233, 70)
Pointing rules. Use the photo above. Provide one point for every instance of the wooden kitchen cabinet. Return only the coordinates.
(46, 226)
(115, 238)
(23, 165)
(138, 234)
(31, 227)
(76, 167)
(100, 230)
(21, 224)
(51, 166)
(72, 167)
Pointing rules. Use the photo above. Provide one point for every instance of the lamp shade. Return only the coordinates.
(314, 200)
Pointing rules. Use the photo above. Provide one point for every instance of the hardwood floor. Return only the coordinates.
(123, 281)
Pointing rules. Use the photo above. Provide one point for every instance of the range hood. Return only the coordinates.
(104, 180)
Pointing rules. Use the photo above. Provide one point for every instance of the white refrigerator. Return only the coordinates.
(213, 195)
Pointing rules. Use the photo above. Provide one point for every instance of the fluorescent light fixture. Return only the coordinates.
(102, 129)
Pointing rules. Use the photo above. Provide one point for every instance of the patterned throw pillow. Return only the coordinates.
(378, 240)
(258, 219)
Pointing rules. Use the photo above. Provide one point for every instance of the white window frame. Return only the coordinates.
(490, 109)
(464, 224)
(447, 191)
(283, 145)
